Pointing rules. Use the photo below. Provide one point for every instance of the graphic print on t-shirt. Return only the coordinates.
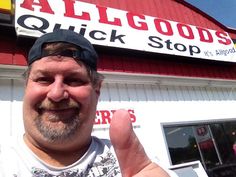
(106, 166)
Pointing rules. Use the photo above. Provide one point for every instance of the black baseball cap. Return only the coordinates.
(86, 52)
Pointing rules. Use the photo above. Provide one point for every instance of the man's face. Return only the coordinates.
(59, 103)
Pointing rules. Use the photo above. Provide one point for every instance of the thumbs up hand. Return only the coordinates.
(132, 158)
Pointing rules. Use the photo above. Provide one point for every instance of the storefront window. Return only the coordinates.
(225, 137)
(182, 144)
(214, 144)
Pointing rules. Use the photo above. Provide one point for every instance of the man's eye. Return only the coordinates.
(43, 80)
(75, 82)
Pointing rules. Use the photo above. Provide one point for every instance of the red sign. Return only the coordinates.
(117, 28)
(104, 116)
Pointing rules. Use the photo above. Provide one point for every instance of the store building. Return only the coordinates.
(172, 66)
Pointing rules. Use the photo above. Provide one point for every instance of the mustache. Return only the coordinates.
(64, 104)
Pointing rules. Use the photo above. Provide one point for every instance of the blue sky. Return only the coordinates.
(223, 11)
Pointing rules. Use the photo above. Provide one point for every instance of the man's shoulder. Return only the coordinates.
(8, 156)
(102, 141)
(9, 149)
(7, 143)
(101, 145)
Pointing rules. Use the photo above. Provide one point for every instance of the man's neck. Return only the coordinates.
(57, 158)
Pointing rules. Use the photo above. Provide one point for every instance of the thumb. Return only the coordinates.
(129, 151)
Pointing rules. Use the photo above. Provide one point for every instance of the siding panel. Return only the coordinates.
(155, 93)
(11, 95)
(144, 95)
(6, 108)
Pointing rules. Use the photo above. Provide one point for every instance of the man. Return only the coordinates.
(61, 94)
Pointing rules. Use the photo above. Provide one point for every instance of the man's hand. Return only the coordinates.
(132, 158)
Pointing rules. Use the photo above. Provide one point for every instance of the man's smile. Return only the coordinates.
(55, 115)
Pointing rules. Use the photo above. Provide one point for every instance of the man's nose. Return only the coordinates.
(57, 91)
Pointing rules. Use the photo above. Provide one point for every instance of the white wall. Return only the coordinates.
(11, 95)
(154, 105)
(157, 105)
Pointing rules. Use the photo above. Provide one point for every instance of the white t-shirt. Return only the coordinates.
(17, 160)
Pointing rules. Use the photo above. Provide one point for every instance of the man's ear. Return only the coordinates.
(98, 88)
